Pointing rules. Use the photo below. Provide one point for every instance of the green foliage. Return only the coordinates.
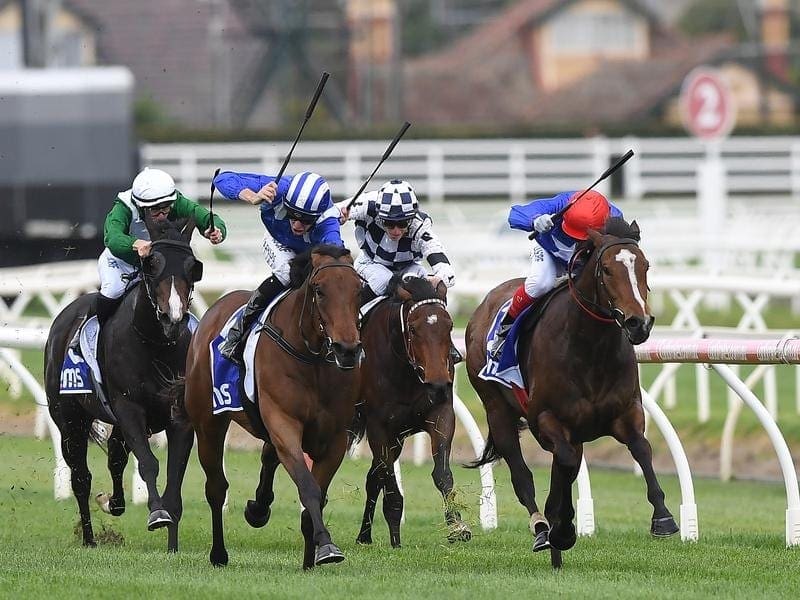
(147, 114)
(713, 16)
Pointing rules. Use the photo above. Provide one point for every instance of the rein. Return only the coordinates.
(612, 314)
(408, 334)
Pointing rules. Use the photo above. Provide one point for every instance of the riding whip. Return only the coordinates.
(309, 110)
(607, 172)
(211, 201)
(386, 154)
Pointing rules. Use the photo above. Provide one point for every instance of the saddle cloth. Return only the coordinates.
(227, 383)
(505, 370)
(80, 370)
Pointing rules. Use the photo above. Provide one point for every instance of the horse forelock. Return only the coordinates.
(302, 264)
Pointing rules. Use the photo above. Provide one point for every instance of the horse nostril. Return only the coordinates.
(634, 322)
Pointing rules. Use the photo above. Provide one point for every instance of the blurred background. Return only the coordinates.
(509, 100)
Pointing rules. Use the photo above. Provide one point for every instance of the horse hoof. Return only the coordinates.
(159, 518)
(89, 544)
(328, 554)
(541, 542)
(459, 532)
(664, 527)
(255, 515)
(565, 542)
(366, 540)
(107, 504)
(218, 558)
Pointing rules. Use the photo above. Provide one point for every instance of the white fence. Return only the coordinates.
(499, 168)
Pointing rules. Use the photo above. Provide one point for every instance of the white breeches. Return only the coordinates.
(111, 270)
(377, 276)
(542, 273)
(278, 257)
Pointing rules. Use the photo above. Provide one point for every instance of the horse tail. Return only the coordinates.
(358, 427)
(490, 454)
(174, 393)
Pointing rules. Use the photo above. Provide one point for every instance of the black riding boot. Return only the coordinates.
(105, 308)
(233, 346)
(367, 294)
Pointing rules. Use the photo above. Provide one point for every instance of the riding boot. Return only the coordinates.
(105, 308)
(367, 294)
(520, 301)
(455, 356)
(233, 346)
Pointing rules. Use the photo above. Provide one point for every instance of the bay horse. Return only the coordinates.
(141, 351)
(307, 382)
(580, 371)
(407, 387)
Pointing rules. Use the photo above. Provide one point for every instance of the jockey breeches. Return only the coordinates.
(278, 257)
(377, 276)
(115, 275)
(542, 272)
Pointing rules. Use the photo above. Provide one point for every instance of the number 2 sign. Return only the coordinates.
(707, 104)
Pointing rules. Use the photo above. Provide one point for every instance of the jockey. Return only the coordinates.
(394, 236)
(127, 240)
(553, 247)
(297, 213)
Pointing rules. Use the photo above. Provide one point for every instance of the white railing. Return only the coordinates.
(499, 168)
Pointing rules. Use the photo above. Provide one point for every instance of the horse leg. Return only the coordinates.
(319, 548)
(440, 425)
(392, 498)
(133, 423)
(629, 430)
(376, 476)
(504, 435)
(180, 439)
(287, 435)
(210, 450)
(117, 461)
(74, 446)
(564, 470)
(257, 512)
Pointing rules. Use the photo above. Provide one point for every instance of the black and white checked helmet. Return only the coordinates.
(397, 200)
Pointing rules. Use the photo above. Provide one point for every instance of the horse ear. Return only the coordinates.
(402, 293)
(637, 234)
(193, 268)
(439, 287)
(154, 264)
(186, 228)
(596, 237)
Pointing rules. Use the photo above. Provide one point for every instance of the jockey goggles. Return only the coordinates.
(396, 223)
(160, 209)
(295, 215)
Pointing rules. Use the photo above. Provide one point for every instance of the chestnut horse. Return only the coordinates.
(141, 351)
(307, 383)
(580, 371)
(407, 387)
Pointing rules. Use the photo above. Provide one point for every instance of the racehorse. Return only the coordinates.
(141, 350)
(407, 387)
(580, 371)
(306, 380)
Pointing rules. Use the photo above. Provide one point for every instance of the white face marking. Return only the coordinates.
(175, 304)
(628, 258)
(432, 319)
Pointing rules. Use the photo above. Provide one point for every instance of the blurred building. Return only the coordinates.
(599, 62)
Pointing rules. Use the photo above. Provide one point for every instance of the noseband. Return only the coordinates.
(408, 334)
(612, 314)
(325, 351)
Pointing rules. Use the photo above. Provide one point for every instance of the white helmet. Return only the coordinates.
(397, 200)
(152, 187)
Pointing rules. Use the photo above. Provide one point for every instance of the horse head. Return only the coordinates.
(425, 326)
(619, 269)
(331, 292)
(170, 272)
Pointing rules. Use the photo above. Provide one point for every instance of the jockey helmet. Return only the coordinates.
(589, 212)
(152, 187)
(397, 201)
(308, 195)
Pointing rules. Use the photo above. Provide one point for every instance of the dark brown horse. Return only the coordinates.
(580, 371)
(141, 351)
(307, 382)
(407, 387)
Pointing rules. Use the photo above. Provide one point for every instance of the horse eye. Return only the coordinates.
(318, 291)
(606, 271)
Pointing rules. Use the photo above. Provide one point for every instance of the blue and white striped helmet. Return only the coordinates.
(308, 194)
(397, 200)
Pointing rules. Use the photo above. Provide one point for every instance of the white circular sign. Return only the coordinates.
(707, 105)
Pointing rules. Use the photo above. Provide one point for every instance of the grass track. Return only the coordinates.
(741, 552)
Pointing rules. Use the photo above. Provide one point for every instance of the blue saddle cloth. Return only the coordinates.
(225, 374)
(505, 370)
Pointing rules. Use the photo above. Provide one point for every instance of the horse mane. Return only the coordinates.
(300, 266)
(419, 288)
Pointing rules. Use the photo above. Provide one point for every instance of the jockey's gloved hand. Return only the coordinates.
(445, 272)
(543, 223)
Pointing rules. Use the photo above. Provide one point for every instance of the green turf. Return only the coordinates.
(741, 551)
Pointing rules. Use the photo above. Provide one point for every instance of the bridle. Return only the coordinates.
(408, 333)
(610, 314)
(325, 351)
